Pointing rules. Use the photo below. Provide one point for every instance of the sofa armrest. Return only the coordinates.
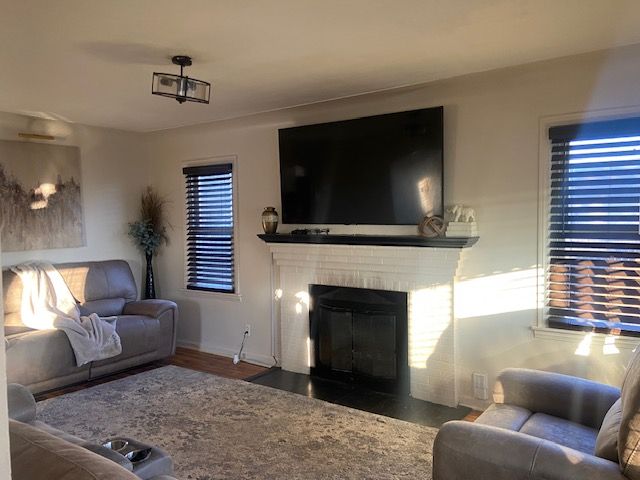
(150, 308)
(464, 450)
(167, 314)
(121, 460)
(22, 405)
(572, 398)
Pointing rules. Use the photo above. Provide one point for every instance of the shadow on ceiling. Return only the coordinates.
(132, 53)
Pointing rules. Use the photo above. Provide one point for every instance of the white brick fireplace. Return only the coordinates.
(426, 274)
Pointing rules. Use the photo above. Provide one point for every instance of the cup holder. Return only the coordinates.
(134, 451)
(116, 444)
(136, 456)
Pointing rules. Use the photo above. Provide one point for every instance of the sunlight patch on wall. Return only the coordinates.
(302, 303)
(310, 360)
(301, 306)
(584, 347)
(429, 319)
(590, 344)
(609, 347)
(303, 298)
(498, 293)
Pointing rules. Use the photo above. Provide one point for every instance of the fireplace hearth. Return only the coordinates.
(359, 336)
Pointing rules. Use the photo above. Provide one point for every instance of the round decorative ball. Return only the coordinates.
(432, 227)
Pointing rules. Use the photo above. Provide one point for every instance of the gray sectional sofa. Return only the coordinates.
(42, 452)
(43, 360)
(547, 426)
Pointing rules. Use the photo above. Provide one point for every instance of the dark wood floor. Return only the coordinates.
(353, 395)
(472, 416)
(216, 364)
(184, 357)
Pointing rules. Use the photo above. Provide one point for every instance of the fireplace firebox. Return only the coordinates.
(360, 336)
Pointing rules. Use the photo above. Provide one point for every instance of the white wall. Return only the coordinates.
(113, 177)
(209, 321)
(491, 160)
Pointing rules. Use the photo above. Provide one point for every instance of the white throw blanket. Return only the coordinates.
(47, 303)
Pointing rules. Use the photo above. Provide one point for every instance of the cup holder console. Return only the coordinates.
(135, 452)
(148, 461)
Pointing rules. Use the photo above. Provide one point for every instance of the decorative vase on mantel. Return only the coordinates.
(149, 285)
(270, 220)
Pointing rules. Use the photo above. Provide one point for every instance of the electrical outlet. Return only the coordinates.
(247, 328)
(481, 386)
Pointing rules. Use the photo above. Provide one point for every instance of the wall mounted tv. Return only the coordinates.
(379, 170)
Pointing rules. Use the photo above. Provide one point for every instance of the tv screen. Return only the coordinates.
(379, 170)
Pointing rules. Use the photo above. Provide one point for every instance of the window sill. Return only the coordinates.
(575, 336)
(230, 297)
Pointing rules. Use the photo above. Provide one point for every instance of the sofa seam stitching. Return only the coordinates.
(630, 460)
(535, 456)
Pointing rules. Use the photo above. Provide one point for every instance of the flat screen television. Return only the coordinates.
(379, 170)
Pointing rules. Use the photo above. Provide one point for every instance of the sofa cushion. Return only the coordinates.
(93, 282)
(106, 307)
(12, 301)
(14, 329)
(629, 435)
(138, 334)
(562, 432)
(41, 355)
(67, 437)
(607, 441)
(13, 323)
(37, 455)
(21, 404)
(98, 287)
(505, 416)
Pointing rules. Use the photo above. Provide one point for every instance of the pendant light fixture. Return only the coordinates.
(183, 89)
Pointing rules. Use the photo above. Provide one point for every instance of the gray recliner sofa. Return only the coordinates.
(547, 426)
(43, 360)
(40, 451)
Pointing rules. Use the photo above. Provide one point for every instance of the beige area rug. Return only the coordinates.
(219, 428)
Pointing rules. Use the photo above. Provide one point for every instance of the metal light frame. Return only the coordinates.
(183, 84)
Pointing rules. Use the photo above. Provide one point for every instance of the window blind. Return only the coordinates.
(210, 249)
(593, 278)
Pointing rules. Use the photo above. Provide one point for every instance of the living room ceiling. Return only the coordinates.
(91, 61)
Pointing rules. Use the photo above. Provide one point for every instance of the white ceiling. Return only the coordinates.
(91, 61)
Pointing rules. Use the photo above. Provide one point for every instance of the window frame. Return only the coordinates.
(199, 162)
(541, 328)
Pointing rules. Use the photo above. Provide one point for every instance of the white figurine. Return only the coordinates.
(460, 213)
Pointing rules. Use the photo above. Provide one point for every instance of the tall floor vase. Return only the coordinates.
(149, 286)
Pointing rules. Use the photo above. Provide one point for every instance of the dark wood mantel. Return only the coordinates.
(372, 240)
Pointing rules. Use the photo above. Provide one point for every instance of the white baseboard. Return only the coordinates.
(253, 358)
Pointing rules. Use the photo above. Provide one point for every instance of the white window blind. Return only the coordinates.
(593, 278)
(210, 249)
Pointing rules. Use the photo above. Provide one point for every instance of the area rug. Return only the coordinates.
(217, 428)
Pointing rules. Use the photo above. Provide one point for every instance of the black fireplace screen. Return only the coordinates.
(360, 336)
